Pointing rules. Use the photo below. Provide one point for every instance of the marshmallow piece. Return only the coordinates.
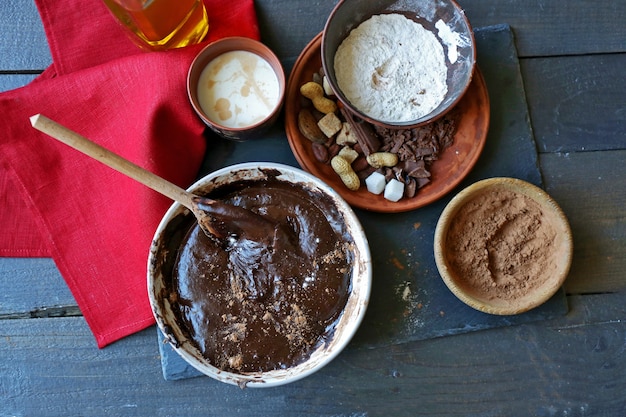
(394, 190)
(327, 88)
(348, 154)
(345, 136)
(330, 124)
(375, 183)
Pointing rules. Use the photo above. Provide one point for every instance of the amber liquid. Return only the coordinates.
(162, 24)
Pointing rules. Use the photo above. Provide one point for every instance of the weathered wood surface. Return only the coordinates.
(24, 46)
(572, 59)
(591, 189)
(577, 103)
(565, 367)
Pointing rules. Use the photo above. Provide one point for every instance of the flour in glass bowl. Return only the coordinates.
(392, 69)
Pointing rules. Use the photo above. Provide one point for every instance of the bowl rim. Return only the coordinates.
(537, 194)
(426, 119)
(224, 45)
(357, 301)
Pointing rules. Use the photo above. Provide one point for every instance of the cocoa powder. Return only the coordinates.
(501, 245)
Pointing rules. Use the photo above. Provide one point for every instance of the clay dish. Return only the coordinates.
(213, 51)
(164, 251)
(457, 33)
(453, 165)
(503, 246)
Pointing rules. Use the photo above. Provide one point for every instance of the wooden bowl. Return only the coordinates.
(447, 172)
(503, 246)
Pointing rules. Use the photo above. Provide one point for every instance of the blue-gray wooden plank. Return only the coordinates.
(590, 187)
(555, 28)
(23, 45)
(33, 287)
(544, 28)
(12, 81)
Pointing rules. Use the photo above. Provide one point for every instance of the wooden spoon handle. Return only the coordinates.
(97, 152)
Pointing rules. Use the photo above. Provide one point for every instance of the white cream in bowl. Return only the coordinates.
(238, 89)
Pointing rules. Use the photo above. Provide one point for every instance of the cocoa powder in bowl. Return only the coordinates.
(503, 246)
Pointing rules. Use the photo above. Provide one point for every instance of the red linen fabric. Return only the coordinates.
(95, 223)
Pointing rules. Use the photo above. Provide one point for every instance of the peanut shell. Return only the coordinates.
(307, 124)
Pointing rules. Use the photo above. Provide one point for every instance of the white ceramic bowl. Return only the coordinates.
(172, 228)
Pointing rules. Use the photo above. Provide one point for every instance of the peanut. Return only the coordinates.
(311, 90)
(315, 93)
(382, 159)
(307, 124)
(345, 172)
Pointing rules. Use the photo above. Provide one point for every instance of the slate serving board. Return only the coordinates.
(409, 301)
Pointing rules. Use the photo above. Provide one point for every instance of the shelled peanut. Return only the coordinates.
(315, 92)
(343, 168)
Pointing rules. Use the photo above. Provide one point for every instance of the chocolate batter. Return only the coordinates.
(253, 305)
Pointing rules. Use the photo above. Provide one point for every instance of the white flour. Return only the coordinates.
(453, 40)
(392, 68)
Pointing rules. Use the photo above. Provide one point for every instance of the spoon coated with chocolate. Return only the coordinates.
(217, 219)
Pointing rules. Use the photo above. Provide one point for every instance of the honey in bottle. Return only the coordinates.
(162, 24)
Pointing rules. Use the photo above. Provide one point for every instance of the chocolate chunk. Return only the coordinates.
(410, 188)
(422, 182)
(418, 147)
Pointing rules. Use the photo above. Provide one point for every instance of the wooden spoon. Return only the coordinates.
(216, 218)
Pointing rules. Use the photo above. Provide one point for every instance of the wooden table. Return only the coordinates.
(572, 58)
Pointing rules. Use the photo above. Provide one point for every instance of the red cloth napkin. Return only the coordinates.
(95, 223)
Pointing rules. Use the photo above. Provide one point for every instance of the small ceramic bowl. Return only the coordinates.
(444, 18)
(236, 85)
(163, 254)
(503, 246)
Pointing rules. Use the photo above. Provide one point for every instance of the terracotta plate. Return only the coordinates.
(447, 172)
